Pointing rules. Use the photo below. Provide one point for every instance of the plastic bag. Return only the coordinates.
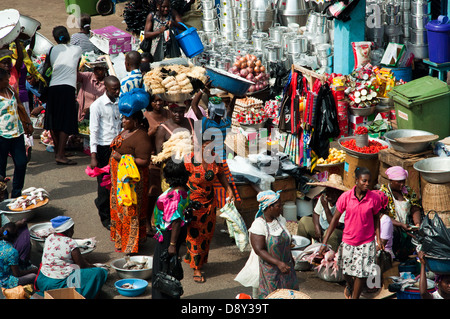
(236, 225)
(434, 237)
(384, 261)
(167, 49)
(361, 53)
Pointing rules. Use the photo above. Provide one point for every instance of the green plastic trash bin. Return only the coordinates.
(86, 6)
(423, 104)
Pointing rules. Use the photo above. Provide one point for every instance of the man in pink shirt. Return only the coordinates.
(357, 252)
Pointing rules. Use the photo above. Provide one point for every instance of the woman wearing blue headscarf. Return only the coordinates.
(271, 241)
(64, 266)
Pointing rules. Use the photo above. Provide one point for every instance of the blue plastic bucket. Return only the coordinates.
(402, 73)
(438, 32)
(190, 42)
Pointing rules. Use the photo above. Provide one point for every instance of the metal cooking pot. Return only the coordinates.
(228, 25)
(30, 25)
(227, 3)
(276, 32)
(273, 52)
(259, 39)
(243, 33)
(262, 5)
(418, 21)
(229, 35)
(209, 14)
(392, 9)
(420, 51)
(298, 44)
(419, 7)
(244, 4)
(10, 27)
(42, 45)
(208, 4)
(244, 23)
(210, 25)
(228, 13)
(418, 36)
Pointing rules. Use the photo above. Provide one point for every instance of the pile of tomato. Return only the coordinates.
(362, 130)
(372, 148)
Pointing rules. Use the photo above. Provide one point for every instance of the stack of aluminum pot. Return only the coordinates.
(418, 42)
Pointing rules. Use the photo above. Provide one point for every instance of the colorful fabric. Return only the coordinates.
(127, 177)
(359, 216)
(265, 199)
(236, 225)
(132, 80)
(169, 207)
(57, 256)
(91, 281)
(9, 256)
(128, 223)
(220, 192)
(90, 90)
(10, 124)
(408, 195)
(357, 261)
(201, 228)
(397, 173)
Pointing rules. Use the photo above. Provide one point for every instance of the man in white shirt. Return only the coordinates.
(104, 125)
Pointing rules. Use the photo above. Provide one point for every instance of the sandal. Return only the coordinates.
(69, 162)
(348, 292)
(199, 279)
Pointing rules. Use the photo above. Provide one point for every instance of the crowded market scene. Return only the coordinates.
(214, 149)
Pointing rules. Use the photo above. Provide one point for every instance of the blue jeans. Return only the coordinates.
(16, 147)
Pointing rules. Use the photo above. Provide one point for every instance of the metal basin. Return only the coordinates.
(30, 25)
(358, 154)
(434, 170)
(10, 27)
(42, 45)
(362, 111)
(15, 216)
(407, 147)
(133, 273)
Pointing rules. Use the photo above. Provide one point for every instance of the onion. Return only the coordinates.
(243, 72)
(258, 87)
(230, 70)
(258, 62)
(247, 57)
(251, 88)
(257, 69)
(251, 64)
(243, 65)
(237, 64)
(249, 69)
(250, 77)
(265, 83)
(262, 68)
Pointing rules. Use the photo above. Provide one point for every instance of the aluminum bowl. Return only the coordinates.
(42, 45)
(10, 27)
(362, 111)
(327, 275)
(30, 25)
(434, 170)
(407, 147)
(133, 273)
(300, 242)
(300, 265)
(358, 154)
(13, 217)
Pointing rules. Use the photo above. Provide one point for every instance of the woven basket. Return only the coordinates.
(287, 294)
(445, 216)
(436, 197)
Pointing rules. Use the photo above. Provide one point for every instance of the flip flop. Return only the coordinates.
(200, 280)
(348, 292)
(69, 162)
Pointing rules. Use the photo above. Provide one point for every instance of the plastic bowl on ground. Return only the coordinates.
(137, 287)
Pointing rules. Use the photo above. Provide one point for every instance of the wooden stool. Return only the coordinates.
(441, 68)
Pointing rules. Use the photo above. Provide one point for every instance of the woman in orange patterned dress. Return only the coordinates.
(128, 223)
(201, 227)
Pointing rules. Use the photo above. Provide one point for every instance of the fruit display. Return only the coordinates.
(83, 127)
(252, 69)
(335, 157)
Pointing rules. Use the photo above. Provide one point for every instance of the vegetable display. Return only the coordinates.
(335, 157)
(252, 69)
(373, 147)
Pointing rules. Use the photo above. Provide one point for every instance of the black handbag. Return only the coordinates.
(146, 45)
(167, 281)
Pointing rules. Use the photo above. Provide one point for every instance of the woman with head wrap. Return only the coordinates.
(204, 175)
(130, 149)
(271, 241)
(63, 265)
(403, 208)
(61, 114)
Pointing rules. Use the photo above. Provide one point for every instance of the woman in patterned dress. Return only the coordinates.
(128, 223)
(271, 241)
(159, 21)
(204, 173)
